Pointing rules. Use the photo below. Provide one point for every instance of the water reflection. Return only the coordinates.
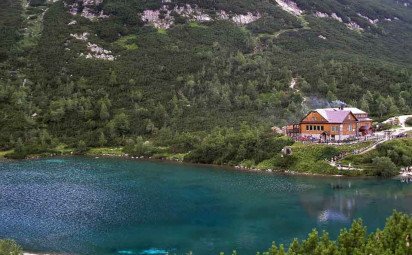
(335, 207)
(406, 179)
(342, 199)
(332, 215)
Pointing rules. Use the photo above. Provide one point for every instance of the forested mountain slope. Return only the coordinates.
(105, 70)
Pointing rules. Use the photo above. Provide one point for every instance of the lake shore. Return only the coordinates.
(118, 154)
(31, 253)
(308, 159)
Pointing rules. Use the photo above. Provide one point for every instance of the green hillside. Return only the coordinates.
(103, 72)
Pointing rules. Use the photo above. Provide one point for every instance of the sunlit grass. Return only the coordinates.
(194, 24)
(127, 42)
(3, 153)
(115, 151)
(162, 31)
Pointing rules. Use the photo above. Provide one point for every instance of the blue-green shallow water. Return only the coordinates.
(114, 206)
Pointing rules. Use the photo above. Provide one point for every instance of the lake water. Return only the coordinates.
(114, 206)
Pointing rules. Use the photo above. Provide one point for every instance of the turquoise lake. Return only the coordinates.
(114, 206)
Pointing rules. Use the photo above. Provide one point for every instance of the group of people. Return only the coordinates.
(339, 157)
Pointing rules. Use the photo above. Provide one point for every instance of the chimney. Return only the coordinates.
(341, 107)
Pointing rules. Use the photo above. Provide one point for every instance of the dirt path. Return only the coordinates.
(372, 147)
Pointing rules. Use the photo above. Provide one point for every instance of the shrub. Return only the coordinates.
(139, 147)
(384, 126)
(398, 150)
(10, 247)
(22, 150)
(384, 167)
(37, 2)
(408, 121)
(81, 147)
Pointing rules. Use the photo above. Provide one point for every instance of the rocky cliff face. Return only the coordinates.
(87, 9)
(165, 18)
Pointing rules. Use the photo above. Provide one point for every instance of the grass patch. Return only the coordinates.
(127, 42)
(312, 157)
(63, 149)
(162, 31)
(33, 18)
(193, 24)
(117, 151)
(3, 153)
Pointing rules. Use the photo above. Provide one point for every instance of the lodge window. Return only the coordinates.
(315, 128)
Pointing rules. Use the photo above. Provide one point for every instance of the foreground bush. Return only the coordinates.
(384, 167)
(394, 239)
(9, 247)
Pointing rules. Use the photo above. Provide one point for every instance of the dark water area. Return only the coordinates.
(113, 206)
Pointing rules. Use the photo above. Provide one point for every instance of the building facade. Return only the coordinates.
(332, 124)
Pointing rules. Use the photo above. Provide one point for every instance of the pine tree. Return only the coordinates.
(19, 147)
(104, 112)
(102, 139)
(81, 147)
(113, 78)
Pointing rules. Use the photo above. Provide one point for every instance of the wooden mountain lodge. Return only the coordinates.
(332, 124)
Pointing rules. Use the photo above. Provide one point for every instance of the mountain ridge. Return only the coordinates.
(79, 69)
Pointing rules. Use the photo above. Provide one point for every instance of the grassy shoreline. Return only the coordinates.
(115, 154)
(308, 159)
